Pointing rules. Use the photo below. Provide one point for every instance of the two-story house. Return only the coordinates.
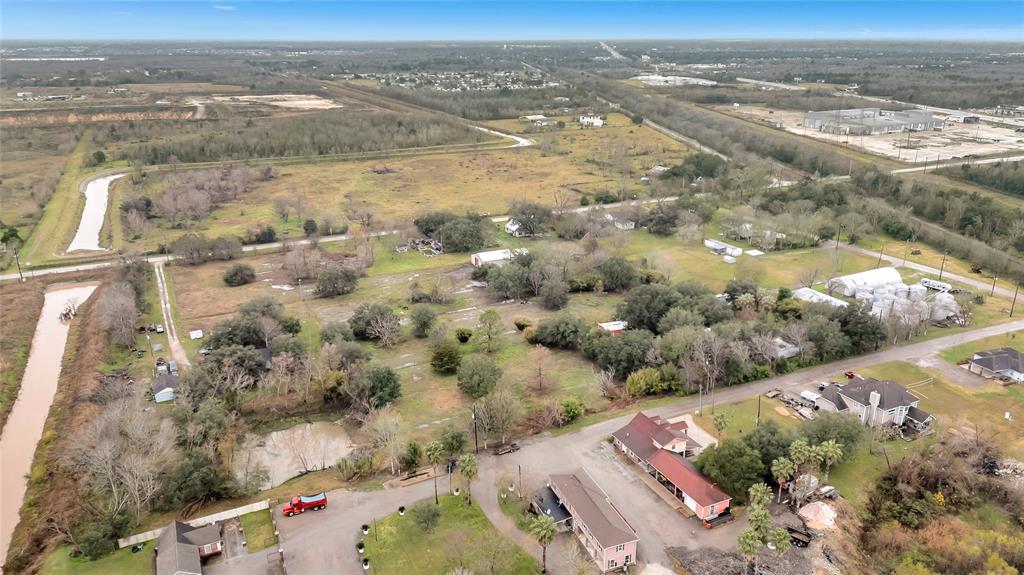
(578, 504)
(875, 403)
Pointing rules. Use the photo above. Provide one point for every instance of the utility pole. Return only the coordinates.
(476, 435)
(906, 252)
(943, 266)
(880, 250)
(1014, 304)
(994, 278)
(757, 422)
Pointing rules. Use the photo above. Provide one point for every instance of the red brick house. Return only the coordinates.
(660, 448)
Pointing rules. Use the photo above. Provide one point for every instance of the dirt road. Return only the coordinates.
(177, 352)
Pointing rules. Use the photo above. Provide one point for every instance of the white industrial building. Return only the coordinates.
(871, 279)
(659, 80)
(809, 295)
(591, 120)
(494, 256)
(868, 121)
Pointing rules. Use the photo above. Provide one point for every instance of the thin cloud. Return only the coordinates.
(223, 7)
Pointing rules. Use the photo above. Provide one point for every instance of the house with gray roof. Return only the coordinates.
(606, 535)
(875, 403)
(181, 548)
(1003, 363)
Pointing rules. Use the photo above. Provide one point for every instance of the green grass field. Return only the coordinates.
(396, 545)
(259, 530)
(742, 416)
(960, 353)
(121, 562)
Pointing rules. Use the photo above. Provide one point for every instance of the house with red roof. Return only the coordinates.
(660, 448)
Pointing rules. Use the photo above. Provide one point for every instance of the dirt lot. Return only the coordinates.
(290, 101)
(957, 140)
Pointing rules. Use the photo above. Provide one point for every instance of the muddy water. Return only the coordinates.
(97, 193)
(25, 425)
(290, 452)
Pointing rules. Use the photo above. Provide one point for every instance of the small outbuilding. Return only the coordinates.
(163, 387)
(613, 327)
(1003, 363)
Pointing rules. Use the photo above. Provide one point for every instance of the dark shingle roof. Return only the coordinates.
(891, 394)
(831, 393)
(177, 548)
(1002, 359)
(163, 381)
(918, 415)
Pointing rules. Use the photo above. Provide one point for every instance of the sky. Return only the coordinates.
(348, 20)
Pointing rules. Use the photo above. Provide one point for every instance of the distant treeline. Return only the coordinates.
(778, 99)
(1006, 177)
(327, 133)
(490, 105)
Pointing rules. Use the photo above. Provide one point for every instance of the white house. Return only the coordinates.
(871, 279)
(163, 387)
(591, 120)
(514, 228)
(875, 403)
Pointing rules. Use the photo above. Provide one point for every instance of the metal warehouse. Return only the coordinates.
(866, 121)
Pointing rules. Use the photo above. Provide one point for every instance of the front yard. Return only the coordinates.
(463, 536)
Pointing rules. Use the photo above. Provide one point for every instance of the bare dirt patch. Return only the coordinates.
(289, 101)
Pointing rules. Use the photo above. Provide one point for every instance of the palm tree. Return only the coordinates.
(721, 421)
(782, 470)
(435, 455)
(469, 468)
(543, 529)
(12, 239)
(749, 545)
(829, 452)
(799, 453)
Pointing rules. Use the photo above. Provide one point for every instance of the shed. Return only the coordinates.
(613, 327)
(809, 295)
(163, 387)
(492, 257)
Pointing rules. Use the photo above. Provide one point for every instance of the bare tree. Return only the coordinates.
(808, 276)
(283, 207)
(539, 358)
(268, 328)
(710, 353)
(385, 435)
(118, 313)
(763, 346)
(796, 333)
(499, 412)
(385, 328)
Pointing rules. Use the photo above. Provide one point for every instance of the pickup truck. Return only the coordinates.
(300, 503)
(510, 448)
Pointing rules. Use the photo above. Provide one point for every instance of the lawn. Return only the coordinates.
(742, 416)
(120, 562)
(964, 351)
(396, 545)
(258, 529)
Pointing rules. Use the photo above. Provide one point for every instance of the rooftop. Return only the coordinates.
(594, 509)
(687, 478)
(1001, 359)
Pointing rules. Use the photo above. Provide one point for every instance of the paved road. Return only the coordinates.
(324, 542)
(898, 261)
(612, 51)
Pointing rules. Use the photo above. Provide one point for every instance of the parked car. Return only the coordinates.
(173, 367)
(300, 503)
(159, 328)
(510, 448)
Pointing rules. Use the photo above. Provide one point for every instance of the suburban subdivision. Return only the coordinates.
(570, 306)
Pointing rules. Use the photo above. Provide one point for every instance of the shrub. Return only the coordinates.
(446, 357)
(572, 409)
(335, 281)
(336, 332)
(422, 319)
(621, 354)
(364, 316)
(426, 515)
(463, 334)
(584, 200)
(478, 374)
(646, 381)
(309, 227)
(564, 331)
(522, 323)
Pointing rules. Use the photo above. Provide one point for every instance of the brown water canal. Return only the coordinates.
(24, 427)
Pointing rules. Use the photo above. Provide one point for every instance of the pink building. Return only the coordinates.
(660, 448)
(578, 504)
